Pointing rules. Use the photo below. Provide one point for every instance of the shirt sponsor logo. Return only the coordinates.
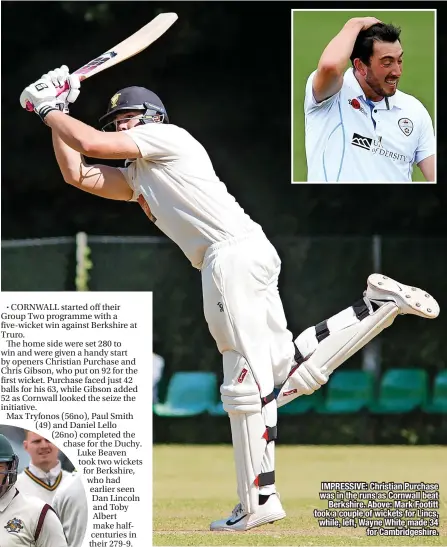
(406, 126)
(361, 142)
(376, 147)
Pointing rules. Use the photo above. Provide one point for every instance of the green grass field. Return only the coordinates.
(194, 485)
(313, 30)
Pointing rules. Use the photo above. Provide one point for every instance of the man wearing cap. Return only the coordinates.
(359, 126)
(171, 176)
(25, 521)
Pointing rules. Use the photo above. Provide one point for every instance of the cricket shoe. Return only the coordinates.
(409, 299)
(240, 521)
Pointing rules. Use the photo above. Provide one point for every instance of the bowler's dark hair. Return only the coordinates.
(364, 44)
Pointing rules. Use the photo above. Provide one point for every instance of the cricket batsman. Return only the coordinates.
(359, 126)
(170, 175)
(25, 521)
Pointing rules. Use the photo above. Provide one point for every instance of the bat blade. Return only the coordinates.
(129, 47)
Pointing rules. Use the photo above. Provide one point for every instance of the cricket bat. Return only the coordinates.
(127, 48)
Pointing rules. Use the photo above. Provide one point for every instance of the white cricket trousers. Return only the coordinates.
(243, 308)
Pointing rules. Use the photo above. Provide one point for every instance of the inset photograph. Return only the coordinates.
(364, 96)
(42, 499)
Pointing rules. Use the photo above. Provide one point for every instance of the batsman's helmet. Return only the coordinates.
(135, 98)
(8, 476)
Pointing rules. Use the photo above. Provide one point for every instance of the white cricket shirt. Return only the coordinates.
(352, 139)
(35, 482)
(26, 522)
(175, 184)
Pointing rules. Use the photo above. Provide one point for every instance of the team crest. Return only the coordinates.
(114, 100)
(14, 526)
(406, 126)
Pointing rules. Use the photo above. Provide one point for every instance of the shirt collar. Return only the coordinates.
(49, 477)
(353, 83)
(7, 498)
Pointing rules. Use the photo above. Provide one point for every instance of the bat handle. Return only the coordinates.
(59, 91)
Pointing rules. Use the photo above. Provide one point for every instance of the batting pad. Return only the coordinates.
(242, 400)
(334, 351)
(249, 446)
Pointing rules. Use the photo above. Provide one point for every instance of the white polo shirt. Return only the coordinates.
(35, 482)
(352, 139)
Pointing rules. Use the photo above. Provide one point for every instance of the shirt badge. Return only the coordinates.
(356, 105)
(406, 126)
(14, 526)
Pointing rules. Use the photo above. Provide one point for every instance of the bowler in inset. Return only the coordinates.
(359, 126)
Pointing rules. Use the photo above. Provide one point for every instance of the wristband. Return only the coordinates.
(45, 110)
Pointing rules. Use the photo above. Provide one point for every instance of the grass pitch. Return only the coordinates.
(313, 30)
(194, 485)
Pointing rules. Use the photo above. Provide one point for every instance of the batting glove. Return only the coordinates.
(40, 97)
(60, 77)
